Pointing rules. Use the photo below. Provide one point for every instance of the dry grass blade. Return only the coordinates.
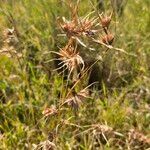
(111, 47)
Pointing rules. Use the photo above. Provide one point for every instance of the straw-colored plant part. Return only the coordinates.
(70, 59)
(79, 26)
(87, 26)
(69, 27)
(10, 36)
(108, 39)
(50, 111)
(105, 20)
(102, 132)
(138, 139)
(76, 99)
(9, 44)
(45, 145)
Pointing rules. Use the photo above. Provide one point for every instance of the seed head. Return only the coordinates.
(69, 28)
(70, 58)
(78, 26)
(108, 39)
(77, 99)
(105, 22)
(49, 111)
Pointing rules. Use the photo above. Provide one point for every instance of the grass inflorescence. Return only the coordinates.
(73, 77)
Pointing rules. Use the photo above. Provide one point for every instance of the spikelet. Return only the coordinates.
(78, 26)
(76, 99)
(108, 39)
(70, 59)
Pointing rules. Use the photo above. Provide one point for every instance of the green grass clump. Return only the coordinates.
(33, 108)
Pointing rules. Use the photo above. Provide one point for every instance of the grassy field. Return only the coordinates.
(35, 111)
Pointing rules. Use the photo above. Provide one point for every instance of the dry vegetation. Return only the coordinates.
(73, 77)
